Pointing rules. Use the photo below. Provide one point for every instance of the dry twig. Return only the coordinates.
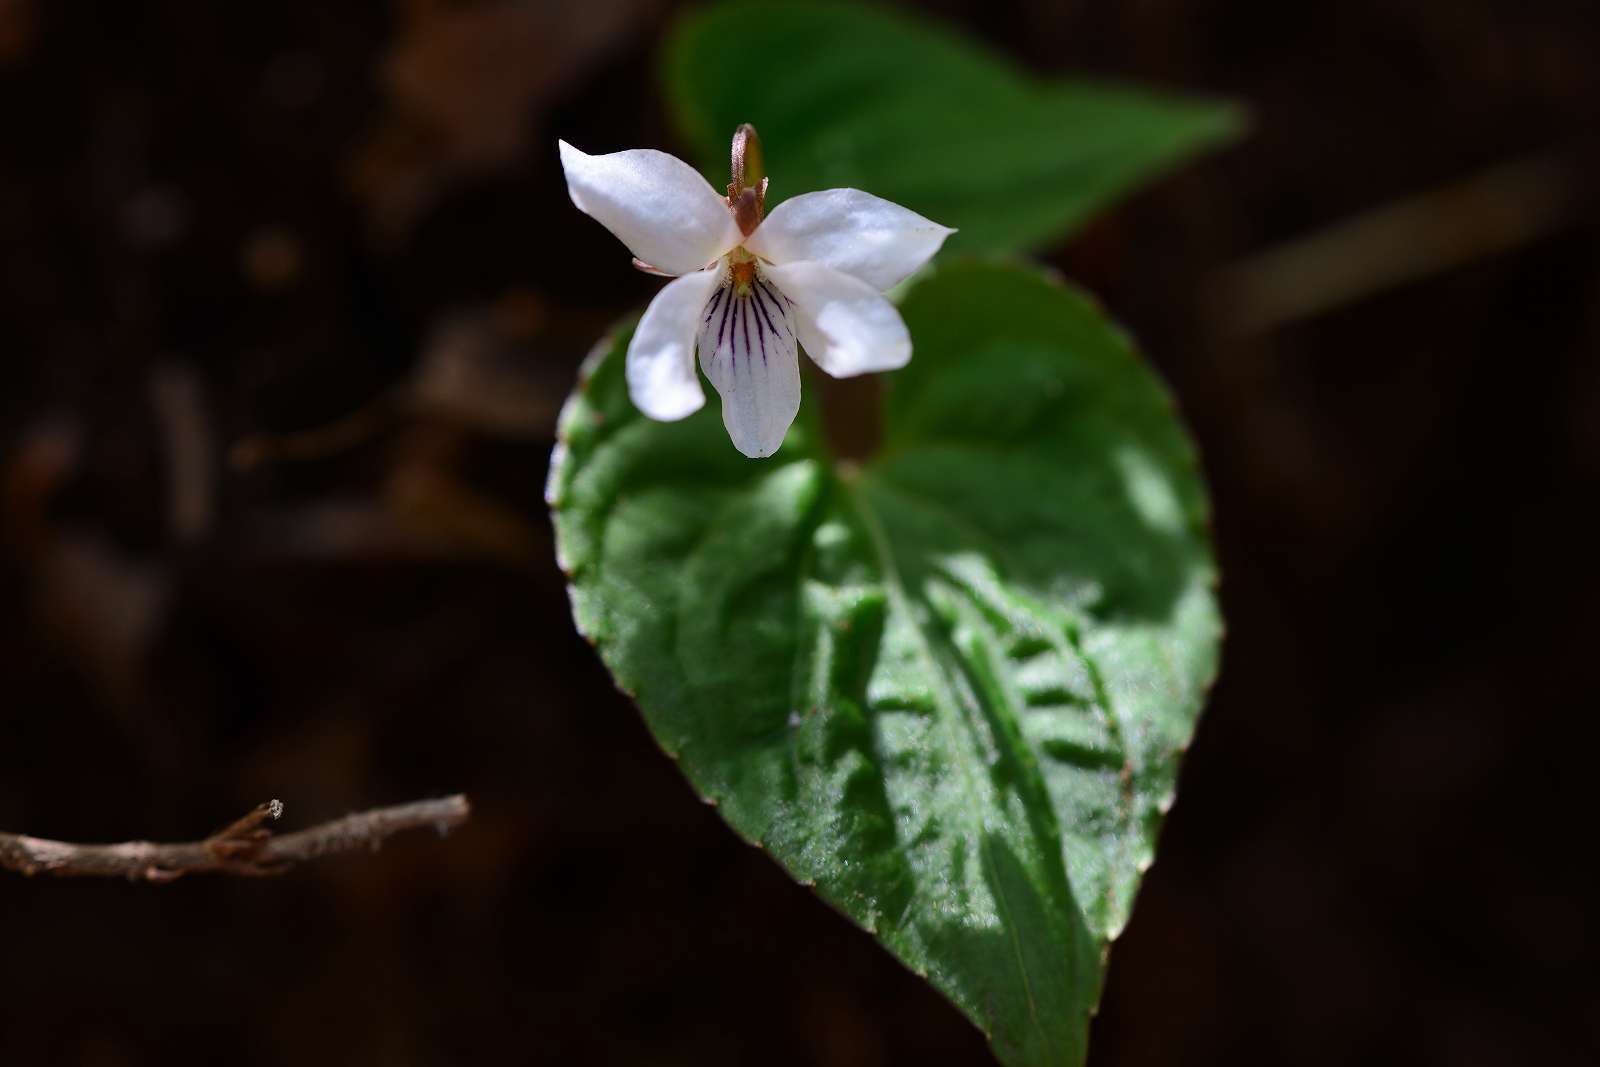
(246, 847)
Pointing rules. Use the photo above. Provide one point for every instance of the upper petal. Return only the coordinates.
(846, 325)
(656, 204)
(863, 235)
(660, 365)
(748, 350)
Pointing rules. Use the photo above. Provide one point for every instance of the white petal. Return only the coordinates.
(660, 366)
(858, 233)
(846, 326)
(657, 205)
(748, 349)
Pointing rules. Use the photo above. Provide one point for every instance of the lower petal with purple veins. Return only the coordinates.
(749, 350)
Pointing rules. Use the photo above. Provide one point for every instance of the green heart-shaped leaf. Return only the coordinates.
(857, 97)
(949, 687)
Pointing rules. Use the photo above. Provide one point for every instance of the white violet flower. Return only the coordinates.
(745, 291)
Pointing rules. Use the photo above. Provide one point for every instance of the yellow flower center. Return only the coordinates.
(742, 269)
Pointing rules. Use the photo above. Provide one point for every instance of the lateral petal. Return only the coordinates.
(846, 326)
(660, 364)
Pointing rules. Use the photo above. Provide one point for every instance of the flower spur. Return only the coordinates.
(749, 290)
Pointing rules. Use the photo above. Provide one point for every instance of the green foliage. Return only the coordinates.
(860, 97)
(950, 687)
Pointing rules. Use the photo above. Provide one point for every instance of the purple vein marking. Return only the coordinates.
(722, 327)
(761, 306)
(787, 322)
(761, 311)
(744, 316)
(755, 291)
(711, 308)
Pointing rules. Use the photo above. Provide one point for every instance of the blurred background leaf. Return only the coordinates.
(859, 97)
(950, 687)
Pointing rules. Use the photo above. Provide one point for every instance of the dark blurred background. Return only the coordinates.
(289, 296)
